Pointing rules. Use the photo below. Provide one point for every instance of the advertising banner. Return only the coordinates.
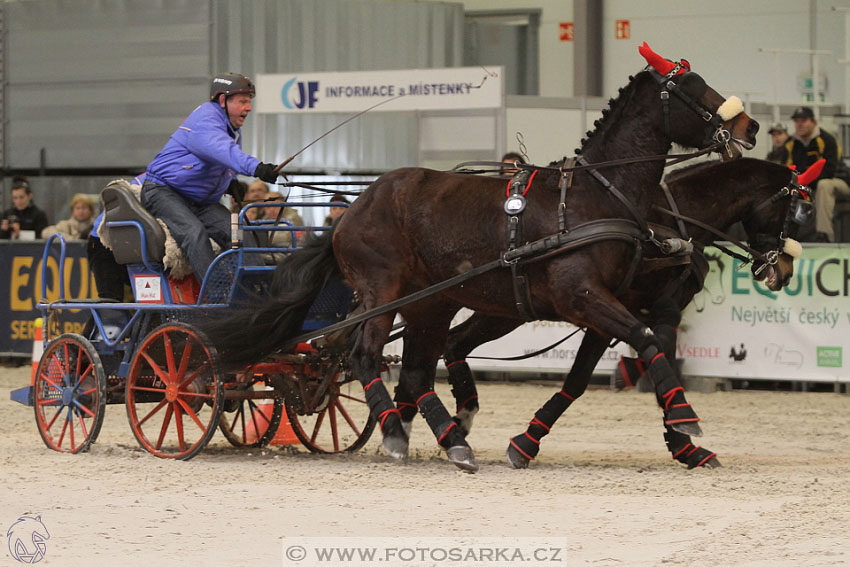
(416, 89)
(736, 327)
(20, 290)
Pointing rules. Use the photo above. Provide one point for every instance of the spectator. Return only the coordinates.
(257, 192)
(512, 158)
(778, 136)
(809, 144)
(282, 238)
(336, 212)
(79, 225)
(198, 164)
(24, 220)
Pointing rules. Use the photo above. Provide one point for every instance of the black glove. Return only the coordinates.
(237, 190)
(266, 172)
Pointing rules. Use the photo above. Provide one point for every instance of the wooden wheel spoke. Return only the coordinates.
(84, 408)
(84, 375)
(169, 353)
(194, 374)
(334, 433)
(254, 411)
(347, 418)
(158, 407)
(352, 398)
(83, 426)
(56, 415)
(178, 421)
(191, 413)
(80, 351)
(318, 426)
(62, 434)
(184, 362)
(64, 364)
(156, 368)
(164, 429)
(71, 426)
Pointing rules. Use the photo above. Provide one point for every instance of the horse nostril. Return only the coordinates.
(752, 128)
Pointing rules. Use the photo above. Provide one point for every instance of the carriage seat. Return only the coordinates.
(121, 205)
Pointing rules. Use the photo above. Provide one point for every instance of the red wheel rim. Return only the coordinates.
(344, 424)
(68, 395)
(173, 392)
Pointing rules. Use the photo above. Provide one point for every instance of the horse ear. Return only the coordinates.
(656, 61)
(812, 173)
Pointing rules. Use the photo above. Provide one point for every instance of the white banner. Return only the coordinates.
(527, 339)
(415, 89)
(736, 327)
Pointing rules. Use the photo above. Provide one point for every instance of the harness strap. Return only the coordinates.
(619, 195)
(565, 184)
(751, 251)
(581, 235)
(514, 206)
(675, 208)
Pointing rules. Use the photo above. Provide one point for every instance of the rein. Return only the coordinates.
(722, 235)
(672, 158)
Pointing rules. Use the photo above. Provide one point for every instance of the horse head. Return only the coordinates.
(696, 115)
(781, 214)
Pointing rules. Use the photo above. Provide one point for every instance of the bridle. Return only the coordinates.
(799, 210)
(718, 134)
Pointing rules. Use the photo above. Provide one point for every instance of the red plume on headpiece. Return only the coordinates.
(812, 173)
(657, 62)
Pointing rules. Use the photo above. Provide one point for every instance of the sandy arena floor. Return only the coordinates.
(604, 481)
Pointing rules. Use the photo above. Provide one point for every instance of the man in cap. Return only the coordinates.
(198, 164)
(809, 144)
(778, 136)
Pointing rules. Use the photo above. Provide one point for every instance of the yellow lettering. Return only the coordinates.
(20, 282)
(52, 278)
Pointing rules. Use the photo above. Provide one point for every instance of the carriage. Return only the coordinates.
(152, 356)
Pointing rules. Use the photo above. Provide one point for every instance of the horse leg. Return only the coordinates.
(424, 340)
(609, 317)
(666, 316)
(524, 447)
(366, 364)
(406, 405)
(462, 340)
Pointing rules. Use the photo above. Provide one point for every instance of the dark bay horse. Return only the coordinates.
(413, 228)
(758, 193)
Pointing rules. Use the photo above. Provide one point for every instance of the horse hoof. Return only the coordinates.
(463, 458)
(517, 459)
(691, 428)
(396, 447)
(712, 463)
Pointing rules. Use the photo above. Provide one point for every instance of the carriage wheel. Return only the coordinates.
(69, 394)
(174, 392)
(254, 423)
(339, 422)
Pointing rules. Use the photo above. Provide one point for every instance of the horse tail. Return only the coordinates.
(251, 334)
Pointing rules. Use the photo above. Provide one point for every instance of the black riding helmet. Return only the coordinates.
(230, 84)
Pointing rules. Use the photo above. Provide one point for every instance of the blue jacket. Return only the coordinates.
(202, 156)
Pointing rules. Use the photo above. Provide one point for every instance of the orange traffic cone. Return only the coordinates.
(284, 435)
(37, 347)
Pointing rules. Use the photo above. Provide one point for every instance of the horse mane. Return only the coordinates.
(615, 109)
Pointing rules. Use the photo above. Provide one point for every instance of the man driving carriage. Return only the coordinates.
(198, 164)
